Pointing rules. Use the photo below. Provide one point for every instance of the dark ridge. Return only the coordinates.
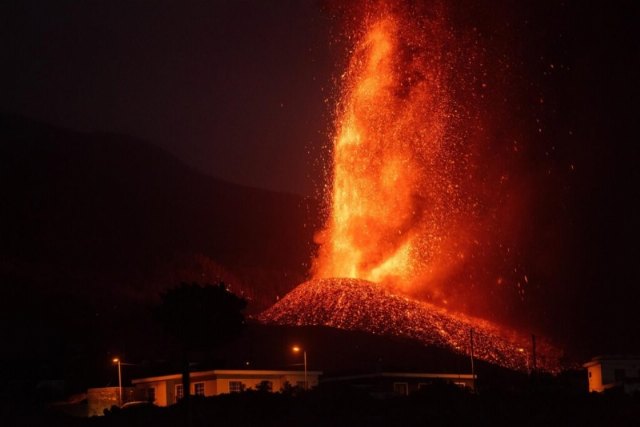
(102, 213)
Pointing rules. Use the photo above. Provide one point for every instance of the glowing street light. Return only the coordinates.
(297, 349)
(117, 360)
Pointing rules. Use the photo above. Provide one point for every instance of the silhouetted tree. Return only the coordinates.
(264, 386)
(200, 317)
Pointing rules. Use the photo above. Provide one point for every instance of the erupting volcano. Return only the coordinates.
(403, 208)
(394, 196)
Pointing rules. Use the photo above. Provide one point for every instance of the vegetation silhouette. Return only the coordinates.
(436, 404)
(200, 318)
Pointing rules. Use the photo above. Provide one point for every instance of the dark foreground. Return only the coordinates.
(439, 405)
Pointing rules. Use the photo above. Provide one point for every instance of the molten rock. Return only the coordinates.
(360, 305)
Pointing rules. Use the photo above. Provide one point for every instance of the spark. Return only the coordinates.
(393, 191)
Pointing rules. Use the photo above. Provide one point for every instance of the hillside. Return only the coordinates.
(105, 214)
(352, 304)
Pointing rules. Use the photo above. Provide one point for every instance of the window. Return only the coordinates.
(423, 385)
(179, 391)
(460, 384)
(236, 386)
(401, 388)
(198, 389)
(619, 374)
(151, 394)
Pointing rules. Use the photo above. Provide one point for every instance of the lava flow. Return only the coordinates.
(353, 304)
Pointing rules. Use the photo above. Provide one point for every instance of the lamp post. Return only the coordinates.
(297, 349)
(117, 361)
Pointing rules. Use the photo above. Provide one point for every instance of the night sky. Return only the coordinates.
(234, 88)
(244, 91)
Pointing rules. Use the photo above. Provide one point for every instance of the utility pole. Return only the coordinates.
(533, 354)
(118, 362)
(306, 380)
(473, 371)
(298, 349)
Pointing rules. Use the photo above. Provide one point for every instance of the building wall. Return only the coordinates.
(415, 384)
(171, 390)
(166, 389)
(211, 387)
(249, 383)
(216, 384)
(161, 392)
(609, 373)
(595, 378)
(277, 381)
(382, 386)
(609, 367)
(172, 384)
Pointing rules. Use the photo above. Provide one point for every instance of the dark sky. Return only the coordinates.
(234, 88)
(244, 90)
(238, 89)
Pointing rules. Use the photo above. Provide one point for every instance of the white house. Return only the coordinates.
(606, 372)
(166, 390)
(384, 384)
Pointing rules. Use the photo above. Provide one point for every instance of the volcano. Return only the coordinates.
(410, 215)
(360, 305)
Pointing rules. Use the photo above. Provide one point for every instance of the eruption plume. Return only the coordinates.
(395, 199)
(417, 208)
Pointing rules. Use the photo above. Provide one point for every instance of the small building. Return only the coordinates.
(168, 389)
(609, 372)
(387, 384)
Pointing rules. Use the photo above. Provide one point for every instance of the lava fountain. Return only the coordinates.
(395, 197)
(403, 206)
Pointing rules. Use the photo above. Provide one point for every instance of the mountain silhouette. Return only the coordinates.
(102, 214)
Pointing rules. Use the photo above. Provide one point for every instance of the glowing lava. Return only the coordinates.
(394, 198)
(408, 213)
(353, 304)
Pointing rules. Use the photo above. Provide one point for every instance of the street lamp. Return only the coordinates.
(297, 349)
(117, 360)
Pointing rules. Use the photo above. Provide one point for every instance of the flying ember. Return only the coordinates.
(395, 199)
(417, 210)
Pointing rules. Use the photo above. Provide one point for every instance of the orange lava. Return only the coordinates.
(353, 304)
(395, 199)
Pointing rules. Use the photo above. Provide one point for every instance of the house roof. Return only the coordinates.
(403, 375)
(226, 372)
(619, 357)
